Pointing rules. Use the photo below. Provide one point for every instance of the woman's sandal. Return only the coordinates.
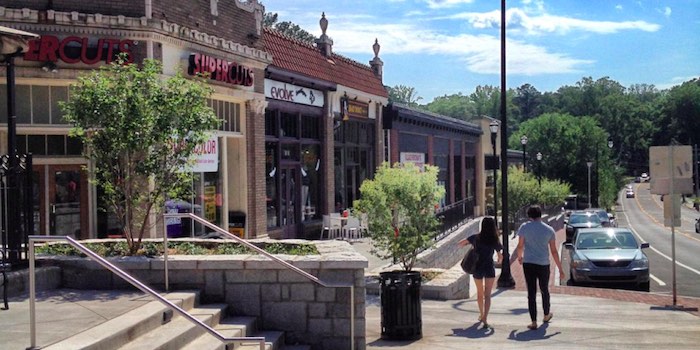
(532, 326)
(548, 317)
(486, 326)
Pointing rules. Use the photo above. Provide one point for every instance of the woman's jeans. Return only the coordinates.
(533, 273)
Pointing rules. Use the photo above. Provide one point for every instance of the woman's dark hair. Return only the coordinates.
(489, 233)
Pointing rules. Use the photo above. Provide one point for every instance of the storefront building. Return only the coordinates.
(321, 131)
(421, 137)
(189, 37)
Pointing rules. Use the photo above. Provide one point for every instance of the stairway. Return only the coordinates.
(155, 326)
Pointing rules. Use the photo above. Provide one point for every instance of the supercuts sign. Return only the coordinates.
(220, 70)
(75, 49)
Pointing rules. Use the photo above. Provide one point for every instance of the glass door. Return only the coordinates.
(289, 196)
(67, 201)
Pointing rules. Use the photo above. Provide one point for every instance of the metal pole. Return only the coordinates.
(697, 177)
(165, 253)
(505, 280)
(495, 180)
(673, 220)
(14, 238)
(597, 178)
(524, 158)
(32, 297)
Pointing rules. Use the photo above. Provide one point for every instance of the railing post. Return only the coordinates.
(165, 254)
(352, 316)
(32, 296)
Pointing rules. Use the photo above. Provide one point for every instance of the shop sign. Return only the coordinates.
(206, 156)
(293, 93)
(354, 108)
(73, 49)
(220, 70)
(413, 157)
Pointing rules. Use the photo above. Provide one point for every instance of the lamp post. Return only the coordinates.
(539, 169)
(493, 127)
(523, 141)
(589, 183)
(505, 280)
(597, 174)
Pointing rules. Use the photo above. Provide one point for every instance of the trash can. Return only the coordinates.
(401, 310)
(236, 223)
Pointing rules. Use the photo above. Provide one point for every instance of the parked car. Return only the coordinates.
(644, 177)
(578, 220)
(604, 216)
(629, 194)
(608, 255)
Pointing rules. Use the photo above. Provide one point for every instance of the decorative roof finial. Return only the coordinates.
(324, 23)
(376, 47)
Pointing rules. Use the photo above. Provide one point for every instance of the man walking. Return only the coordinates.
(536, 242)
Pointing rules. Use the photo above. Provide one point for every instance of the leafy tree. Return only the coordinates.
(130, 120)
(456, 106)
(524, 190)
(288, 28)
(526, 99)
(404, 94)
(680, 115)
(486, 100)
(400, 206)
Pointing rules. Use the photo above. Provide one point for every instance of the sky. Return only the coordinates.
(445, 47)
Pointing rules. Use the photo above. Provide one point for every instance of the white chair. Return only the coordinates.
(364, 225)
(351, 229)
(332, 230)
(336, 224)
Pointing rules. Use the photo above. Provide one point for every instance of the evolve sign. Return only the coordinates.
(75, 49)
(220, 70)
(293, 93)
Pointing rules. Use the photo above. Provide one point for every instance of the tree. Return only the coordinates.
(524, 190)
(527, 102)
(403, 94)
(140, 132)
(456, 106)
(288, 28)
(680, 114)
(400, 206)
(486, 100)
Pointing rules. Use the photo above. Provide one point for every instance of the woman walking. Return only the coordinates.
(536, 242)
(485, 243)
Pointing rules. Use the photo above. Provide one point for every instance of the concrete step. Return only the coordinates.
(237, 327)
(178, 332)
(120, 330)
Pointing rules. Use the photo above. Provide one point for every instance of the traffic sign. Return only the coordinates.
(671, 164)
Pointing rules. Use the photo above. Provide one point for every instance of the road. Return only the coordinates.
(644, 215)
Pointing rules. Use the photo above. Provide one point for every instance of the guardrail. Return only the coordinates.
(251, 246)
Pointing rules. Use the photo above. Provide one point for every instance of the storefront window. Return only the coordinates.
(353, 159)
(289, 123)
(271, 184)
(310, 181)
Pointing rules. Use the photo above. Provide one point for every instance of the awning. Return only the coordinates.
(14, 41)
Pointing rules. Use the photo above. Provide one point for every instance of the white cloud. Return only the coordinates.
(480, 53)
(437, 4)
(667, 12)
(618, 7)
(520, 20)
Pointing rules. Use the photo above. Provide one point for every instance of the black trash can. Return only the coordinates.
(401, 311)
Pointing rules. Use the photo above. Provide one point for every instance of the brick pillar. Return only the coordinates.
(256, 217)
(328, 158)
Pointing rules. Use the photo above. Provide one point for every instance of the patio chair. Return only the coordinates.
(351, 229)
(331, 227)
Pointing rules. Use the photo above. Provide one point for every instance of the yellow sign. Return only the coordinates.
(210, 203)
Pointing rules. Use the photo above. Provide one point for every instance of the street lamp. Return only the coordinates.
(539, 169)
(505, 280)
(589, 183)
(523, 141)
(493, 127)
(597, 174)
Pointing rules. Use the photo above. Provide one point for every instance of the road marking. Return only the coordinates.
(654, 249)
(657, 280)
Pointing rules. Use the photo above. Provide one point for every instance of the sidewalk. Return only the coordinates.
(585, 318)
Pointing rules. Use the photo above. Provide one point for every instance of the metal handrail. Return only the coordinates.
(268, 255)
(133, 281)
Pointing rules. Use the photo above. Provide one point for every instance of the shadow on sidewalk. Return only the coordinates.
(529, 335)
(473, 332)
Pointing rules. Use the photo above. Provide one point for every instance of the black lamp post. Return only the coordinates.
(597, 174)
(493, 127)
(505, 280)
(13, 43)
(539, 169)
(523, 141)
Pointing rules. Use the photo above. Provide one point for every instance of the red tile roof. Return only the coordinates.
(304, 58)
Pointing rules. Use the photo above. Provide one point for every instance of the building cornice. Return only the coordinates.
(131, 27)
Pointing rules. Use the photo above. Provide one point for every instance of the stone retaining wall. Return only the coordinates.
(445, 254)
(253, 285)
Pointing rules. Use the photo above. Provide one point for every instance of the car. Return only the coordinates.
(629, 187)
(606, 219)
(608, 256)
(580, 219)
(629, 194)
(644, 177)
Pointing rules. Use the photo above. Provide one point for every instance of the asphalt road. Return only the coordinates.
(645, 215)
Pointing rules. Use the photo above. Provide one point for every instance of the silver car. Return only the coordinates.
(608, 255)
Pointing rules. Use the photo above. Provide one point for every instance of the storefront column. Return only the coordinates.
(256, 217)
(327, 159)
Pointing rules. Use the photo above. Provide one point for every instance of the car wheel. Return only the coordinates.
(571, 281)
(644, 287)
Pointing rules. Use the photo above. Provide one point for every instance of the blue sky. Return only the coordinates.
(443, 47)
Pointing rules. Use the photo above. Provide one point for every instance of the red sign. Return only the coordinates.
(220, 70)
(75, 49)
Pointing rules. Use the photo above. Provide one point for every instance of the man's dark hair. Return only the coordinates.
(534, 212)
